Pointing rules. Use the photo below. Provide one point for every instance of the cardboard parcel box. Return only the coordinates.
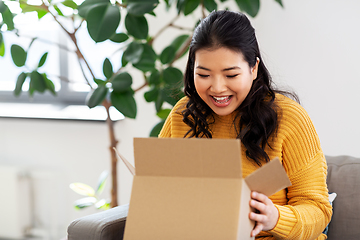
(193, 189)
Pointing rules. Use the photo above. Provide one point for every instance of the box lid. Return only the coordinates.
(187, 157)
(268, 179)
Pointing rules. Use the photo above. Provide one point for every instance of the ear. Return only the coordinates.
(254, 69)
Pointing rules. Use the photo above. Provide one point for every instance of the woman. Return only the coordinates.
(229, 95)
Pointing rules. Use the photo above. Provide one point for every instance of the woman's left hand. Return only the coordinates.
(267, 216)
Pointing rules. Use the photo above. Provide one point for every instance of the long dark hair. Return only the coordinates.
(257, 114)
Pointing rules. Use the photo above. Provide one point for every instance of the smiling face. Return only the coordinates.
(223, 78)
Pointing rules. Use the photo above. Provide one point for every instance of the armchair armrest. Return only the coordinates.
(106, 225)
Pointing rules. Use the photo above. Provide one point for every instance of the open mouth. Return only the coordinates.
(222, 100)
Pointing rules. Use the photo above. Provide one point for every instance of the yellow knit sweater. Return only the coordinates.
(304, 207)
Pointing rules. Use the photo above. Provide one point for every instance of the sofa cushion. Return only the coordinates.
(105, 225)
(344, 179)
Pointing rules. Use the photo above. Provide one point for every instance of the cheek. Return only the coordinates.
(242, 87)
(199, 86)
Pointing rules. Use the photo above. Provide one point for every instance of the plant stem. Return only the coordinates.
(113, 143)
(107, 105)
(142, 86)
(203, 9)
(182, 50)
(163, 29)
(73, 38)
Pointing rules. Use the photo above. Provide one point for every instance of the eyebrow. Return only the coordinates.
(226, 69)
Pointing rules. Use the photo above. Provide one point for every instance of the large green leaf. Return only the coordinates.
(172, 76)
(160, 100)
(101, 182)
(155, 77)
(102, 204)
(172, 94)
(124, 103)
(133, 52)
(147, 59)
(7, 16)
(107, 68)
(167, 55)
(42, 59)
(152, 94)
(70, 4)
(99, 81)
(3, 7)
(180, 5)
(58, 10)
(96, 96)
(37, 82)
(119, 37)
(49, 84)
(156, 130)
(163, 113)
(25, 7)
(190, 6)
(124, 62)
(18, 55)
(2, 49)
(140, 7)
(280, 2)
(84, 202)
(122, 82)
(87, 5)
(19, 83)
(41, 13)
(251, 7)
(179, 41)
(210, 5)
(102, 21)
(137, 26)
(82, 189)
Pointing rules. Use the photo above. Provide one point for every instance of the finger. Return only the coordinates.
(258, 205)
(258, 228)
(257, 217)
(260, 197)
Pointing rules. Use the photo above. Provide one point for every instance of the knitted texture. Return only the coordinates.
(303, 207)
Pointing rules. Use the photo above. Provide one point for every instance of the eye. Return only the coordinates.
(232, 76)
(203, 75)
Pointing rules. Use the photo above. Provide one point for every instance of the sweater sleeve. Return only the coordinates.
(166, 129)
(308, 210)
(174, 125)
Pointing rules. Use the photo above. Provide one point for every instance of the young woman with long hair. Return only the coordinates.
(230, 94)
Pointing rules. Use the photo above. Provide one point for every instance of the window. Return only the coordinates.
(61, 66)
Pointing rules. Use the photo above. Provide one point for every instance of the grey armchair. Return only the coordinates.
(343, 179)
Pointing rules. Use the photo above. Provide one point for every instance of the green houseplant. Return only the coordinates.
(125, 23)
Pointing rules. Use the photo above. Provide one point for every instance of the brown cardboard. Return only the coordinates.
(192, 189)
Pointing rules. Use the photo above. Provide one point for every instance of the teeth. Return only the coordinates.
(221, 99)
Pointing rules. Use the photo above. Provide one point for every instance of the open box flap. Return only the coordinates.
(185, 189)
(187, 157)
(268, 179)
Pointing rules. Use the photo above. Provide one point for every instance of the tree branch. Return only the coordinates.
(203, 9)
(180, 27)
(73, 38)
(163, 29)
(141, 87)
(83, 72)
(49, 42)
(182, 50)
(120, 4)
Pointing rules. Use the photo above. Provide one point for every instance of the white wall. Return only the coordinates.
(310, 46)
(313, 47)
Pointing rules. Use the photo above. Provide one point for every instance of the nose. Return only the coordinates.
(218, 85)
